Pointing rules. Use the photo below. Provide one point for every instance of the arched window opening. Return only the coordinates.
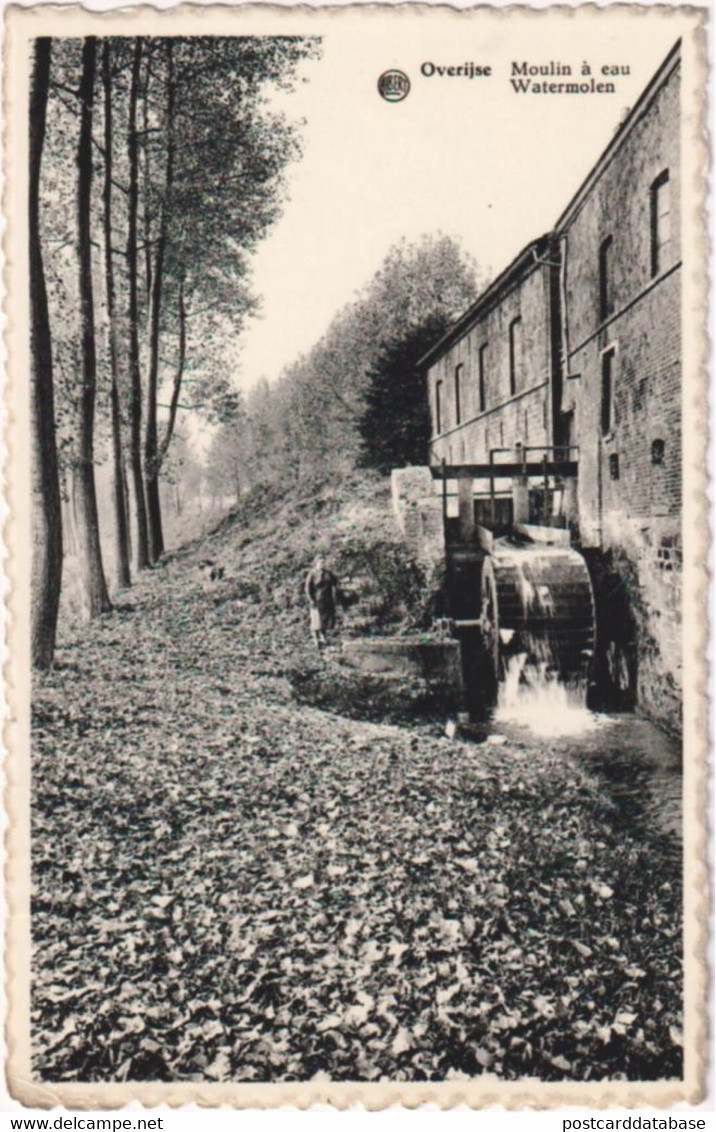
(658, 451)
(458, 393)
(607, 391)
(482, 377)
(515, 354)
(660, 202)
(606, 297)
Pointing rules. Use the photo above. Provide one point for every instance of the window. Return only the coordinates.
(458, 382)
(660, 221)
(438, 407)
(606, 300)
(515, 353)
(614, 466)
(607, 391)
(482, 377)
(658, 449)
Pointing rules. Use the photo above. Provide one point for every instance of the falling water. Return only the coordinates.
(532, 693)
(639, 765)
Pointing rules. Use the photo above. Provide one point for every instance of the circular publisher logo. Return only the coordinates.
(393, 86)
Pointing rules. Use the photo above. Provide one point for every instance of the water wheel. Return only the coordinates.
(529, 599)
(545, 604)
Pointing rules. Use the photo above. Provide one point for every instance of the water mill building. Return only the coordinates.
(572, 357)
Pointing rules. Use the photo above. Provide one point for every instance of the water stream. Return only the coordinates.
(640, 764)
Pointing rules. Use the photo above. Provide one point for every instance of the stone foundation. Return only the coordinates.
(418, 513)
(637, 584)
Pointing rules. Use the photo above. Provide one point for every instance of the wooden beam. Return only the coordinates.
(537, 468)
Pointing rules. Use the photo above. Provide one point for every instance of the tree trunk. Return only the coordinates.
(151, 445)
(146, 217)
(95, 587)
(127, 506)
(69, 537)
(176, 386)
(140, 508)
(46, 505)
(120, 515)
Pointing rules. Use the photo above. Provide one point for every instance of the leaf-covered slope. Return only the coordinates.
(232, 885)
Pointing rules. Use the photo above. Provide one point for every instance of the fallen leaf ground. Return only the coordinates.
(233, 885)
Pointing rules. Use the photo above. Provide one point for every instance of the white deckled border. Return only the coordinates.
(21, 26)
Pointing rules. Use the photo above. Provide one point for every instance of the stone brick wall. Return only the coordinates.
(618, 205)
(418, 512)
(506, 419)
(613, 299)
(629, 487)
(638, 583)
(645, 435)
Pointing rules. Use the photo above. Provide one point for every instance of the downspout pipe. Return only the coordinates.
(558, 360)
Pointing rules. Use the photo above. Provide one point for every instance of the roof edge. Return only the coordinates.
(527, 258)
(470, 316)
(624, 129)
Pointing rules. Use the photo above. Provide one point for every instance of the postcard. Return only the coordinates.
(356, 419)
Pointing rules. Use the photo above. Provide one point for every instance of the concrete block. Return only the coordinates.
(550, 536)
(406, 657)
(418, 512)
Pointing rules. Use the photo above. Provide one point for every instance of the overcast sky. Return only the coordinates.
(467, 157)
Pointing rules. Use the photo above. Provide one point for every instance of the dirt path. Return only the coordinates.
(232, 885)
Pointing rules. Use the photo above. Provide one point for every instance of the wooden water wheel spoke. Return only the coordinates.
(489, 627)
(521, 600)
(548, 598)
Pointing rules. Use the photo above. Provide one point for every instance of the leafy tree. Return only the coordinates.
(395, 423)
(150, 211)
(121, 539)
(215, 157)
(95, 586)
(225, 463)
(182, 486)
(415, 281)
(46, 518)
(133, 313)
(310, 419)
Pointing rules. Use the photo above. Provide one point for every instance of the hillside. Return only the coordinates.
(245, 869)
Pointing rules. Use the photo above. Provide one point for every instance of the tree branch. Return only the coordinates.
(55, 85)
(97, 145)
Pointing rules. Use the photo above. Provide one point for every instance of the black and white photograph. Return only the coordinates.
(364, 462)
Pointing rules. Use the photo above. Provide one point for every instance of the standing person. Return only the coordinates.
(321, 586)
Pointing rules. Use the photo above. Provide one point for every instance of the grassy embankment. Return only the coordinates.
(233, 883)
